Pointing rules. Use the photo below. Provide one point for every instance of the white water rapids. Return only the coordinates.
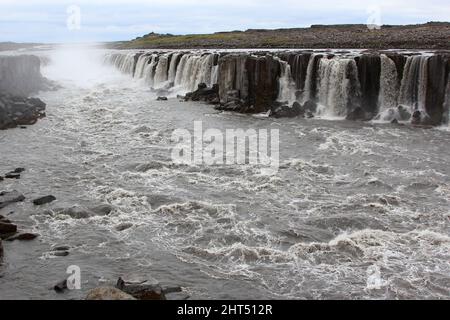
(357, 210)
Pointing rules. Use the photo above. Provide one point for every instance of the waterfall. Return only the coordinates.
(195, 69)
(141, 65)
(311, 80)
(185, 71)
(336, 84)
(214, 75)
(125, 63)
(338, 87)
(446, 115)
(389, 88)
(287, 85)
(174, 65)
(414, 83)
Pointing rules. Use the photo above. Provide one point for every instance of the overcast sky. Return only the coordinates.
(106, 20)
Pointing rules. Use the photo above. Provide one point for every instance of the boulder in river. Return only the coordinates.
(123, 226)
(141, 289)
(8, 197)
(203, 93)
(358, 114)
(7, 230)
(12, 175)
(44, 200)
(285, 111)
(23, 236)
(108, 293)
(162, 99)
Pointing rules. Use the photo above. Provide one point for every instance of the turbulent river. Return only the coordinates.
(356, 210)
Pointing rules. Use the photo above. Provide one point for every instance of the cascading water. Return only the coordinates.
(123, 62)
(338, 83)
(310, 90)
(161, 73)
(389, 88)
(287, 85)
(338, 86)
(414, 83)
(181, 72)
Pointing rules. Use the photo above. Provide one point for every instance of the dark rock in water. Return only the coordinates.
(403, 113)
(123, 226)
(309, 114)
(357, 114)
(61, 286)
(7, 198)
(285, 111)
(12, 175)
(395, 121)
(109, 294)
(60, 253)
(1, 178)
(203, 93)
(43, 200)
(17, 111)
(23, 237)
(416, 117)
(61, 248)
(7, 228)
(78, 212)
(310, 106)
(162, 99)
(141, 290)
(19, 170)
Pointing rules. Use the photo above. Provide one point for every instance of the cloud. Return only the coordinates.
(101, 20)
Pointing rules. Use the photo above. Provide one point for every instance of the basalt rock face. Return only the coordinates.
(369, 70)
(347, 84)
(437, 84)
(254, 78)
(20, 77)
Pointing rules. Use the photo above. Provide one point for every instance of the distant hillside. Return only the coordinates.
(6, 46)
(432, 35)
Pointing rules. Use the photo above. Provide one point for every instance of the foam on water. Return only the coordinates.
(356, 210)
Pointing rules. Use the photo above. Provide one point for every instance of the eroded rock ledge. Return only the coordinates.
(20, 77)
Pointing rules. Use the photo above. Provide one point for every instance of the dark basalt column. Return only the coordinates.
(438, 69)
(263, 74)
(254, 77)
(369, 70)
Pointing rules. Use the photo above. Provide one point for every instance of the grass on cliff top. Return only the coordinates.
(181, 40)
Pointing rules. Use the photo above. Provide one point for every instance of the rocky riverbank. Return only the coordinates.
(20, 77)
(18, 111)
(432, 35)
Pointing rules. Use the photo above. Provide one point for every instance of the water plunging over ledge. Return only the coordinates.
(357, 209)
